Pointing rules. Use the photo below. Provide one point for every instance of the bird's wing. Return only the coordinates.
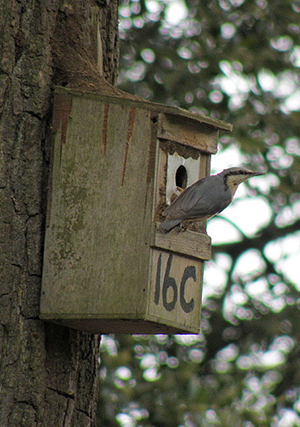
(191, 203)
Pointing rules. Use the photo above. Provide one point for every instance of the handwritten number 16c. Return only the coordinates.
(170, 283)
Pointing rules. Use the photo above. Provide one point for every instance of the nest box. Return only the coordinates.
(115, 167)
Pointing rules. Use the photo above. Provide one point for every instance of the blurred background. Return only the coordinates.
(238, 61)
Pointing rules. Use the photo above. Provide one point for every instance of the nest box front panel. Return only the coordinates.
(177, 257)
(175, 289)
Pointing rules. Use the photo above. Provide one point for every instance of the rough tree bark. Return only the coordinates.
(47, 372)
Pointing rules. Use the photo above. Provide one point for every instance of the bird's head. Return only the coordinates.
(235, 176)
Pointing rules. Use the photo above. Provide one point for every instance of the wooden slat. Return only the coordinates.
(175, 289)
(149, 325)
(204, 170)
(96, 259)
(189, 243)
(151, 106)
(188, 132)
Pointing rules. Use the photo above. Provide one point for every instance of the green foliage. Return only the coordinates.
(234, 60)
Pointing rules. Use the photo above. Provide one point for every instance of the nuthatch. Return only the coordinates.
(206, 197)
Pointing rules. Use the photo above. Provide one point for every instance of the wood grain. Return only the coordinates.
(188, 243)
(189, 132)
(106, 266)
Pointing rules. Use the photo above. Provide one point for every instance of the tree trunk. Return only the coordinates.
(47, 372)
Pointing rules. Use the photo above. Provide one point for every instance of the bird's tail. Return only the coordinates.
(168, 224)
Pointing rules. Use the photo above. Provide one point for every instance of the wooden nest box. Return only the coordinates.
(115, 167)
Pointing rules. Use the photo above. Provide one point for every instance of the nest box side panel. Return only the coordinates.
(176, 288)
(96, 258)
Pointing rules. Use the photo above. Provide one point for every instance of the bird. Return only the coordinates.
(206, 198)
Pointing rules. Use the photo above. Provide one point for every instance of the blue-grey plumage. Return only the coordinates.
(206, 197)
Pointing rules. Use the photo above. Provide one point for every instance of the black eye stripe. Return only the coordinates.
(241, 172)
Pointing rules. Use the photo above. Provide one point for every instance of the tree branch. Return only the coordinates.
(265, 236)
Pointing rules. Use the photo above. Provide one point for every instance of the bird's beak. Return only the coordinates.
(257, 173)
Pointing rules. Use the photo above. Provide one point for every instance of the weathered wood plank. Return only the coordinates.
(126, 325)
(188, 243)
(152, 106)
(100, 216)
(175, 291)
(188, 132)
(205, 160)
